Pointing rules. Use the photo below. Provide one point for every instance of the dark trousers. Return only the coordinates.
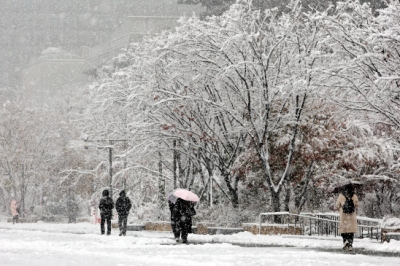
(175, 229)
(122, 223)
(184, 231)
(15, 219)
(181, 229)
(349, 237)
(102, 222)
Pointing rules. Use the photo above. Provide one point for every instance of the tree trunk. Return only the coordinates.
(175, 158)
(161, 185)
(287, 196)
(276, 206)
(232, 191)
(210, 183)
(23, 191)
(301, 191)
(181, 171)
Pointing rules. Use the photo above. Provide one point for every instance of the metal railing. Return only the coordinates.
(322, 223)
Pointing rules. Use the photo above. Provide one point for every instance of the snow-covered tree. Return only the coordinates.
(243, 97)
(26, 145)
(363, 58)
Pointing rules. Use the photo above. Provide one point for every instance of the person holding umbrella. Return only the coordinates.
(181, 205)
(347, 204)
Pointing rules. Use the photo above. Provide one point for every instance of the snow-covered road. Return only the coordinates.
(22, 246)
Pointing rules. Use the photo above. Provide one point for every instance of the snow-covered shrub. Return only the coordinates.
(390, 221)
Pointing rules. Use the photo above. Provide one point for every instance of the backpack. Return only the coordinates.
(348, 206)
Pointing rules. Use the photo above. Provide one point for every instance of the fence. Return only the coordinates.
(322, 223)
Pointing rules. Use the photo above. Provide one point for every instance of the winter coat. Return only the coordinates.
(14, 207)
(181, 214)
(174, 211)
(106, 205)
(190, 212)
(348, 221)
(123, 205)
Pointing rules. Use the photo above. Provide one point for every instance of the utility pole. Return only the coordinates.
(110, 151)
(124, 180)
(110, 161)
(110, 148)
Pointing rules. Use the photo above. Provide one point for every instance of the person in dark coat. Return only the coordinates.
(174, 220)
(106, 205)
(181, 219)
(190, 213)
(123, 205)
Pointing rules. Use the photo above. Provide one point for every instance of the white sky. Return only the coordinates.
(82, 244)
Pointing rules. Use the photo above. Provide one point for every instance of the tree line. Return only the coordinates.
(261, 109)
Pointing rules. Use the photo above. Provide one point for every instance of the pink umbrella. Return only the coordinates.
(183, 194)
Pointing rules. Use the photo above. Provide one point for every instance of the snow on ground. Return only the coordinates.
(82, 244)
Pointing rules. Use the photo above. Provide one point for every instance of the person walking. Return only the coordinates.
(347, 204)
(123, 205)
(190, 213)
(181, 219)
(14, 211)
(173, 207)
(106, 205)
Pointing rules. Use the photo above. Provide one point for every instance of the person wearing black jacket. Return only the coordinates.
(106, 205)
(123, 205)
(173, 207)
(181, 219)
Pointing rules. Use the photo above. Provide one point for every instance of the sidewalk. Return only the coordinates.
(244, 239)
(319, 243)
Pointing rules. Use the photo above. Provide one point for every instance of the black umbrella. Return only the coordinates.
(357, 186)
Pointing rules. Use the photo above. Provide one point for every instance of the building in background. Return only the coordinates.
(52, 72)
(75, 43)
(28, 27)
(149, 17)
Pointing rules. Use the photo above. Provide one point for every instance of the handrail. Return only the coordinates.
(329, 222)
